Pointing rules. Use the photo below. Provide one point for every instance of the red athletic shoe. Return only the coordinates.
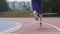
(40, 24)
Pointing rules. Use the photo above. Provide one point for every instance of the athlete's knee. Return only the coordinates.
(34, 12)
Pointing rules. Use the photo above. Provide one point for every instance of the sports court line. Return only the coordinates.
(53, 26)
(46, 24)
(19, 25)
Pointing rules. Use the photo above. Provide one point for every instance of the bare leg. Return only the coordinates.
(41, 16)
(35, 15)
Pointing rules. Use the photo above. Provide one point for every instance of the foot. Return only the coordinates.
(41, 24)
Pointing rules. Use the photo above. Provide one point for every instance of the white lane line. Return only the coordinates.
(46, 24)
(53, 26)
(19, 25)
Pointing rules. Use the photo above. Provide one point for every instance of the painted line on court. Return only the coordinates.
(19, 25)
(53, 26)
(46, 24)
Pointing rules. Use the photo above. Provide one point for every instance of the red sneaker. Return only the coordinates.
(40, 24)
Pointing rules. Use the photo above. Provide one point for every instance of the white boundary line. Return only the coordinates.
(46, 24)
(19, 25)
(53, 26)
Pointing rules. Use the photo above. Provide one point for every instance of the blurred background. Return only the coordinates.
(23, 8)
